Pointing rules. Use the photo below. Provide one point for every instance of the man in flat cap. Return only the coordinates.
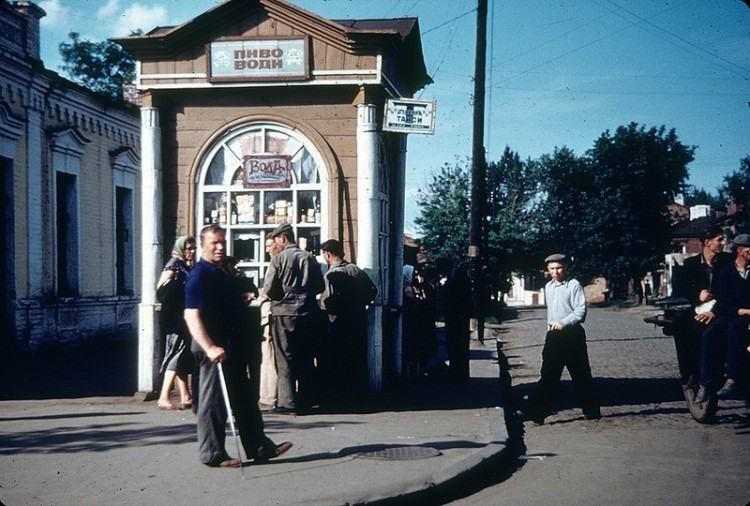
(564, 344)
(292, 281)
(693, 282)
(725, 339)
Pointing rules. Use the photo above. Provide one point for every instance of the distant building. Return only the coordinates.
(69, 171)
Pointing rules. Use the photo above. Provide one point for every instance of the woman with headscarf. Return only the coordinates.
(170, 290)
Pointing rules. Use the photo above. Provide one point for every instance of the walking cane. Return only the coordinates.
(230, 415)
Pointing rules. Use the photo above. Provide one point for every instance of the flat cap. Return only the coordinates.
(742, 240)
(557, 257)
(281, 229)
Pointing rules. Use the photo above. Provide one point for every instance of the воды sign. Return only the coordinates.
(267, 170)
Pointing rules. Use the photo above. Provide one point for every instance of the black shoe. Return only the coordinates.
(702, 395)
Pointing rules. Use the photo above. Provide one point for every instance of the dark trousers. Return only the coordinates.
(723, 343)
(294, 339)
(566, 348)
(458, 337)
(687, 340)
(212, 414)
(348, 374)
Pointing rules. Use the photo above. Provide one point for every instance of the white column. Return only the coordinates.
(368, 213)
(35, 231)
(151, 247)
(397, 194)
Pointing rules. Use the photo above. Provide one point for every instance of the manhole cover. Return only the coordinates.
(402, 453)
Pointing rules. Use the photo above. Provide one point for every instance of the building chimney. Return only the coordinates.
(31, 13)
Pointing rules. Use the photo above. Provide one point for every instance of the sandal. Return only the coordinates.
(166, 406)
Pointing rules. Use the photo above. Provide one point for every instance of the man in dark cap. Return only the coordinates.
(292, 281)
(564, 344)
(348, 292)
(723, 342)
(693, 282)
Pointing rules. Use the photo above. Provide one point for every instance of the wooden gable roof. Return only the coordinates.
(398, 39)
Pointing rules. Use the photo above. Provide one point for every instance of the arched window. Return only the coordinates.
(256, 177)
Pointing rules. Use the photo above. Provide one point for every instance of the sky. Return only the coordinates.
(559, 72)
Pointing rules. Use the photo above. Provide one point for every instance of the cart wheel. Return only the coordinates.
(703, 412)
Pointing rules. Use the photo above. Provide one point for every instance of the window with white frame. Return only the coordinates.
(67, 149)
(124, 173)
(67, 234)
(287, 187)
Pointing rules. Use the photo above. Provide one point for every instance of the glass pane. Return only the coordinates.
(246, 245)
(245, 207)
(278, 143)
(215, 208)
(308, 204)
(252, 273)
(304, 168)
(246, 144)
(238, 177)
(278, 207)
(215, 173)
(309, 239)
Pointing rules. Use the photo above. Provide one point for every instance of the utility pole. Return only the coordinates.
(478, 174)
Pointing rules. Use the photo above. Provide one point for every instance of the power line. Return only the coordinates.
(629, 93)
(681, 39)
(451, 20)
(583, 46)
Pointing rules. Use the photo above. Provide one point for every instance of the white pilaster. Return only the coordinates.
(151, 247)
(368, 213)
(397, 195)
(35, 230)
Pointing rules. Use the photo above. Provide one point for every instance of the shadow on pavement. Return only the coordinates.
(94, 438)
(614, 392)
(106, 368)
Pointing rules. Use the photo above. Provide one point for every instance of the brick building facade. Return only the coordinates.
(69, 168)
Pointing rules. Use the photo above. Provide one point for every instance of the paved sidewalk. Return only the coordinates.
(118, 450)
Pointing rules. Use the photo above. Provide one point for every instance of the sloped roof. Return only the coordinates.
(354, 36)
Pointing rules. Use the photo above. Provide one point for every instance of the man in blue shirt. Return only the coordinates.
(564, 344)
(214, 312)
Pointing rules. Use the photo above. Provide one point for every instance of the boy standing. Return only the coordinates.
(564, 344)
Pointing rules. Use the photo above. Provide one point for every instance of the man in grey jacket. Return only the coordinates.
(292, 282)
(348, 292)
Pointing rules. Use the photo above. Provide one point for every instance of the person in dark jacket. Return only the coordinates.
(693, 282)
(723, 342)
(348, 292)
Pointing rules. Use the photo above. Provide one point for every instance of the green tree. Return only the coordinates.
(698, 196)
(103, 67)
(565, 205)
(444, 210)
(512, 188)
(735, 189)
(636, 173)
